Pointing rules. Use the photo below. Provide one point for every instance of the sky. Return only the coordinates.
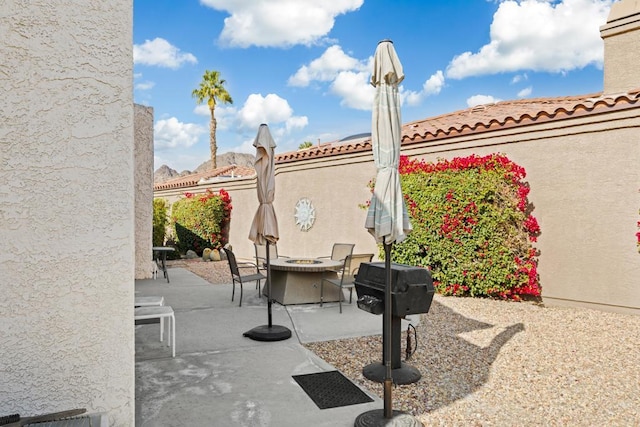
(303, 66)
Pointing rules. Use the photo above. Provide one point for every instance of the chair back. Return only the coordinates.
(352, 265)
(261, 253)
(233, 265)
(341, 251)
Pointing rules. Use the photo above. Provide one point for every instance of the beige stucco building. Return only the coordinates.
(581, 154)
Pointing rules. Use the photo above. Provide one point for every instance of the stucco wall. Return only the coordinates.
(67, 208)
(621, 44)
(584, 187)
(143, 127)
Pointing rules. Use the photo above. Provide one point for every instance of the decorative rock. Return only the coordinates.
(215, 255)
(206, 253)
(191, 254)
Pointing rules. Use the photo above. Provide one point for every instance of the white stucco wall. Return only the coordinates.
(67, 208)
(143, 128)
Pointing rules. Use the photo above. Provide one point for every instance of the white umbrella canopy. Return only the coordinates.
(264, 228)
(265, 224)
(387, 218)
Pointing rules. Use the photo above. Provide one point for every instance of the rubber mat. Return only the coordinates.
(331, 389)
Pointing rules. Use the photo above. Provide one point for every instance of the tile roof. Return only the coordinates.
(224, 172)
(482, 118)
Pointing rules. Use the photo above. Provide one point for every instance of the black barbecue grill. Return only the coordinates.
(411, 293)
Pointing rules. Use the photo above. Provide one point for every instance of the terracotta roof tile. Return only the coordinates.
(196, 178)
(483, 118)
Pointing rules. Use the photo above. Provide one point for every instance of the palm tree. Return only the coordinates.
(212, 89)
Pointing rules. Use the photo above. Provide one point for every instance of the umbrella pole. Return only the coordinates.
(270, 317)
(268, 332)
(388, 378)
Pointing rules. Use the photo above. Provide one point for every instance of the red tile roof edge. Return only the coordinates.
(483, 118)
(195, 178)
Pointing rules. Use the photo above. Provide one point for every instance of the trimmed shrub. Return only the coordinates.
(472, 226)
(202, 221)
(160, 221)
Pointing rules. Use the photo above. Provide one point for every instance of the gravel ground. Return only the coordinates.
(498, 363)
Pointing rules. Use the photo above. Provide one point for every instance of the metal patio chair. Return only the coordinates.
(340, 251)
(346, 276)
(235, 268)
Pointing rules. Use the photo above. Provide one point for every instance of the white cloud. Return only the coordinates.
(144, 85)
(225, 115)
(270, 109)
(354, 89)
(326, 67)
(539, 35)
(279, 22)
(296, 122)
(203, 110)
(161, 53)
(348, 78)
(481, 100)
(519, 77)
(171, 133)
(432, 86)
(525, 92)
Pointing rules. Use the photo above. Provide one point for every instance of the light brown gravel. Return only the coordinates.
(497, 363)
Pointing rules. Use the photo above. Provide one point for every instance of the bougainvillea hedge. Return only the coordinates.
(202, 221)
(472, 226)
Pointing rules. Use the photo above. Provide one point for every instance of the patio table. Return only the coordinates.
(297, 280)
(160, 256)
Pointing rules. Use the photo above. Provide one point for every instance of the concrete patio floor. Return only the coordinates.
(219, 377)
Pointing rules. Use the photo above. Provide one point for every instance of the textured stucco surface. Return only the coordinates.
(621, 45)
(67, 207)
(143, 137)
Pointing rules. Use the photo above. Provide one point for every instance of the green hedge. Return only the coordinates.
(160, 221)
(202, 221)
(472, 226)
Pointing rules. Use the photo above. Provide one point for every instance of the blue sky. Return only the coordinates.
(302, 66)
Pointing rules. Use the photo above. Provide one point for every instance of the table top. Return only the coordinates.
(163, 248)
(305, 265)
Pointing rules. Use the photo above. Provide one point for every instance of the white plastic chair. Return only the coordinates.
(160, 312)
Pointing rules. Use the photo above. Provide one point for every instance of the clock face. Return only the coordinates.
(305, 214)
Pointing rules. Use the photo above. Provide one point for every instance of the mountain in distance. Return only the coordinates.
(165, 173)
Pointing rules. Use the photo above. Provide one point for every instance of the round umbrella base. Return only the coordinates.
(376, 418)
(268, 333)
(405, 374)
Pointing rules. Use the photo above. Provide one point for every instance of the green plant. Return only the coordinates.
(472, 226)
(213, 91)
(305, 145)
(202, 221)
(160, 221)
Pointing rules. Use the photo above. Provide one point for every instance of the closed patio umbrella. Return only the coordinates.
(387, 219)
(264, 228)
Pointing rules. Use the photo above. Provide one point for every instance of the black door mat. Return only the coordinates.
(331, 389)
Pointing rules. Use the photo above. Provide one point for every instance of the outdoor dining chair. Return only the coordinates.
(346, 277)
(340, 251)
(261, 255)
(238, 278)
